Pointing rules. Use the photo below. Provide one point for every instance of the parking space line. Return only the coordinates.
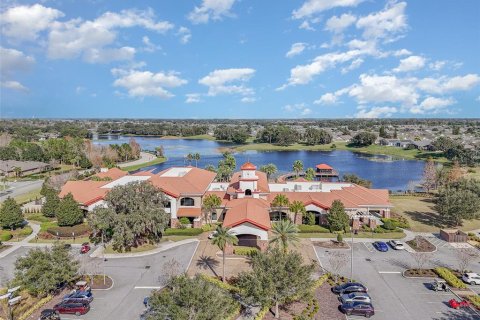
(369, 248)
(389, 272)
(146, 287)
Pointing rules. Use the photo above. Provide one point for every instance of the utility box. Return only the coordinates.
(453, 235)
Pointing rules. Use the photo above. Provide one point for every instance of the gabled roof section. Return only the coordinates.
(254, 211)
(114, 173)
(323, 166)
(262, 182)
(85, 192)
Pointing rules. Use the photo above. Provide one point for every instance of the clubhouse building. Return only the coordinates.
(246, 199)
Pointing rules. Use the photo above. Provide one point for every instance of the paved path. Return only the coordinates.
(14, 245)
(144, 157)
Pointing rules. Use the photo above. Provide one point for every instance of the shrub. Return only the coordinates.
(245, 251)
(339, 238)
(389, 225)
(66, 232)
(25, 231)
(475, 300)
(209, 227)
(262, 313)
(184, 220)
(303, 228)
(399, 222)
(182, 232)
(220, 283)
(451, 279)
(5, 236)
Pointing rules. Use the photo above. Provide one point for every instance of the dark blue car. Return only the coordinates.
(380, 246)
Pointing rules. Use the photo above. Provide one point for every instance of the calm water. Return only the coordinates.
(383, 171)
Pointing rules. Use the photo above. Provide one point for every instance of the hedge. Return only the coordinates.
(219, 283)
(399, 223)
(66, 232)
(245, 251)
(5, 236)
(304, 228)
(182, 232)
(262, 313)
(451, 279)
(475, 300)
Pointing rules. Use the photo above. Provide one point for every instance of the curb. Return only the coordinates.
(142, 254)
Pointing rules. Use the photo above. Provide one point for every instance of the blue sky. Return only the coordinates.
(240, 59)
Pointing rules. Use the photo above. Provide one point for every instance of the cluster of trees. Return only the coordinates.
(11, 215)
(127, 151)
(66, 210)
(33, 129)
(314, 136)
(353, 178)
(193, 157)
(455, 151)
(363, 139)
(134, 215)
(285, 135)
(152, 128)
(225, 167)
(109, 155)
(234, 134)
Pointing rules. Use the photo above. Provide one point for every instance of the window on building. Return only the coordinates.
(187, 202)
(167, 204)
(214, 216)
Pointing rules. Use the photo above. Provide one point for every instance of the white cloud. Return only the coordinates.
(88, 39)
(13, 85)
(402, 52)
(411, 63)
(248, 99)
(25, 22)
(312, 7)
(298, 108)
(192, 98)
(305, 25)
(296, 49)
(338, 24)
(327, 99)
(354, 65)
(385, 23)
(145, 83)
(222, 81)
(437, 65)
(432, 105)
(184, 34)
(211, 10)
(149, 46)
(444, 84)
(376, 112)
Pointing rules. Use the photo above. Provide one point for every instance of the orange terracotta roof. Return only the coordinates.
(262, 183)
(189, 212)
(323, 166)
(254, 211)
(85, 192)
(113, 174)
(248, 166)
(195, 181)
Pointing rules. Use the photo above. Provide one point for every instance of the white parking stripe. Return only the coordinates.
(146, 287)
(389, 272)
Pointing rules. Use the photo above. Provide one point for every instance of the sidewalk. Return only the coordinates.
(98, 253)
(14, 245)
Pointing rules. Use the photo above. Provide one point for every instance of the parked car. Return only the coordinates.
(49, 314)
(84, 295)
(355, 297)
(72, 308)
(85, 248)
(358, 308)
(471, 278)
(380, 246)
(396, 245)
(349, 287)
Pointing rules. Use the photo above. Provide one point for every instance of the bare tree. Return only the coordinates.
(337, 261)
(464, 257)
(58, 181)
(429, 176)
(421, 258)
(170, 270)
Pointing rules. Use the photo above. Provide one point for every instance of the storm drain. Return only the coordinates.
(147, 267)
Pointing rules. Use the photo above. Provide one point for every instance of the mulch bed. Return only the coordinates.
(98, 282)
(49, 305)
(328, 303)
(331, 244)
(420, 273)
(287, 312)
(420, 244)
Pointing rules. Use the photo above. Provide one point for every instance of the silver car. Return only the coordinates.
(355, 297)
(397, 245)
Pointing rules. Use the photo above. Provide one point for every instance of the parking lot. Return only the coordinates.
(395, 297)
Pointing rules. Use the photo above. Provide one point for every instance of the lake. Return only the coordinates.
(384, 171)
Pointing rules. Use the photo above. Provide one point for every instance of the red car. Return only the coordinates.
(72, 308)
(85, 248)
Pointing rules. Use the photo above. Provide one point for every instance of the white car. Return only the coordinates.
(397, 245)
(211, 235)
(471, 278)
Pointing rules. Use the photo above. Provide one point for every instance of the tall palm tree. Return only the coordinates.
(285, 232)
(209, 203)
(280, 201)
(196, 157)
(221, 239)
(297, 166)
(310, 174)
(189, 158)
(297, 207)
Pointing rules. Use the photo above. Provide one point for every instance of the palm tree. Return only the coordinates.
(210, 202)
(196, 157)
(297, 166)
(284, 232)
(270, 169)
(18, 171)
(221, 239)
(297, 207)
(280, 201)
(189, 158)
(310, 174)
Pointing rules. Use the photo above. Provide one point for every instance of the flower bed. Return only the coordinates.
(67, 232)
(420, 273)
(420, 244)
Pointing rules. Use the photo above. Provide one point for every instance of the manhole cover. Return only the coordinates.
(147, 267)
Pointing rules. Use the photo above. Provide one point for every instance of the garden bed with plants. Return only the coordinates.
(420, 244)
(332, 244)
(419, 273)
(98, 281)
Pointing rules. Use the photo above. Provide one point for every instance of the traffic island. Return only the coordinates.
(99, 281)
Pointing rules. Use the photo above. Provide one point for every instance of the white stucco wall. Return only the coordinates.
(248, 228)
(100, 203)
(312, 207)
(173, 206)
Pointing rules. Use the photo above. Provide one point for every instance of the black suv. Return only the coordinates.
(358, 308)
(349, 287)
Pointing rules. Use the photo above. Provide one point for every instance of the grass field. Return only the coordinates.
(146, 164)
(420, 213)
(373, 149)
(78, 240)
(142, 248)
(29, 196)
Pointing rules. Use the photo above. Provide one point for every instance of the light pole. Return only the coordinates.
(351, 258)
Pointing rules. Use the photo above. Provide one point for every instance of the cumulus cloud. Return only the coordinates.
(13, 85)
(146, 83)
(411, 63)
(327, 99)
(12, 62)
(384, 24)
(192, 98)
(312, 7)
(228, 81)
(149, 46)
(300, 109)
(248, 99)
(305, 25)
(211, 10)
(90, 39)
(296, 49)
(445, 84)
(432, 105)
(437, 65)
(338, 24)
(25, 22)
(402, 52)
(354, 65)
(376, 112)
(185, 35)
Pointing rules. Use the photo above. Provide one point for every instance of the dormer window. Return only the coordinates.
(187, 202)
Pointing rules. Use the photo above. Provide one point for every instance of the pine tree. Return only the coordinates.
(337, 218)
(69, 212)
(11, 215)
(50, 207)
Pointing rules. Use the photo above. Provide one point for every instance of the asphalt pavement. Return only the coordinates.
(20, 187)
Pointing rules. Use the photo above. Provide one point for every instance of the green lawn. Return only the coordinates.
(146, 164)
(17, 234)
(373, 149)
(29, 196)
(421, 215)
(360, 235)
(78, 240)
(142, 248)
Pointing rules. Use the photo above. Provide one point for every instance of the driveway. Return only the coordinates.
(20, 187)
(395, 297)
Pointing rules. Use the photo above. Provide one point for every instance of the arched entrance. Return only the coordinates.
(248, 192)
(319, 219)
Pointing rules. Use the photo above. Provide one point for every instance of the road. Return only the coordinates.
(21, 187)
(144, 158)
